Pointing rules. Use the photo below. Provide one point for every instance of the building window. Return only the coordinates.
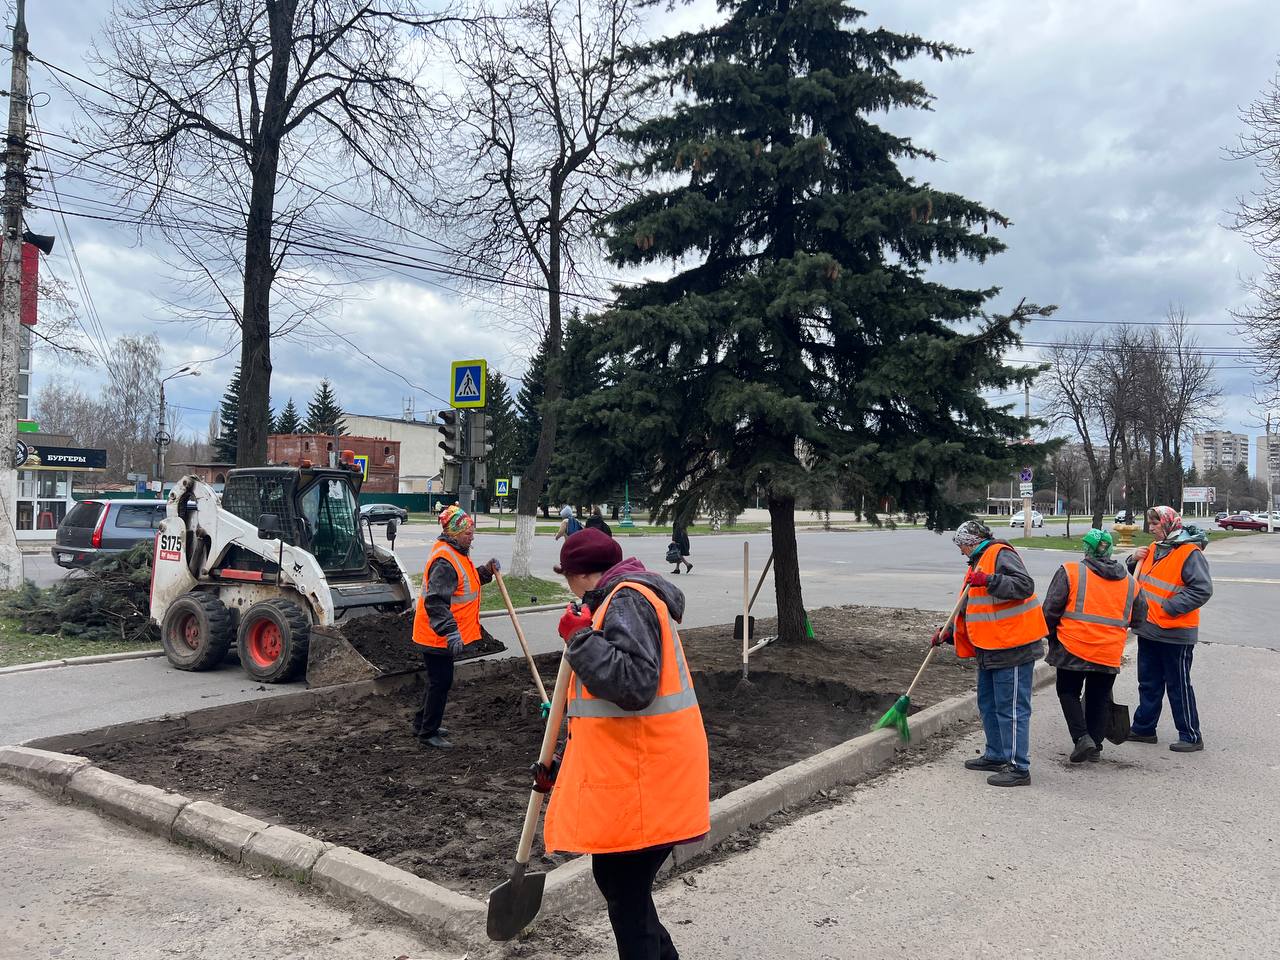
(42, 499)
(306, 445)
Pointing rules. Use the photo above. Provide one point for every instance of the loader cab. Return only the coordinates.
(317, 509)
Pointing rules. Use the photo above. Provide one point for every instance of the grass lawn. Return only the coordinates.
(1140, 539)
(16, 646)
(525, 592)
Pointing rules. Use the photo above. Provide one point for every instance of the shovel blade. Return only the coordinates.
(514, 904)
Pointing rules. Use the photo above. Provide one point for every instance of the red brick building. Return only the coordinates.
(383, 456)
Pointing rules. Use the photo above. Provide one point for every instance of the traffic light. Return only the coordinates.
(451, 466)
(479, 434)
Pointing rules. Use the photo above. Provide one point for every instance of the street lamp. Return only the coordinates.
(162, 435)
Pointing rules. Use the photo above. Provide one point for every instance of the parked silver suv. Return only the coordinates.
(98, 528)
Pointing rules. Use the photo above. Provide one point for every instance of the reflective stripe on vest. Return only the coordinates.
(993, 624)
(1159, 590)
(1077, 611)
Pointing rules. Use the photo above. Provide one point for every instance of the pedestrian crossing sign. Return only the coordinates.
(362, 463)
(467, 384)
(502, 487)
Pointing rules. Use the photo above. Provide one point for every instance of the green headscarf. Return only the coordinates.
(1098, 543)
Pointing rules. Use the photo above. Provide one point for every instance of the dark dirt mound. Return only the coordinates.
(355, 775)
(386, 641)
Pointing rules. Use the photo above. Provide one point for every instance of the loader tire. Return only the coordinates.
(197, 632)
(273, 639)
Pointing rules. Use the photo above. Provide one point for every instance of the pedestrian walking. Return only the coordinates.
(597, 522)
(1175, 578)
(678, 549)
(1089, 607)
(569, 524)
(447, 617)
(634, 780)
(1000, 623)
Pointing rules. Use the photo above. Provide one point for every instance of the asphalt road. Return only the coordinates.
(905, 568)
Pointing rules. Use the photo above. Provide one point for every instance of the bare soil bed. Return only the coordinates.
(355, 775)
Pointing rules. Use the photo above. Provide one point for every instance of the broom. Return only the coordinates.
(896, 716)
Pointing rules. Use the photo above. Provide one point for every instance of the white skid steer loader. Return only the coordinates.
(273, 564)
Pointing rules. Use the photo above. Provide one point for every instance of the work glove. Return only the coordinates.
(977, 578)
(942, 635)
(544, 777)
(455, 644)
(574, 619)
(493, 566)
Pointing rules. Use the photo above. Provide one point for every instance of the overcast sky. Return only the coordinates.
(1098, 128)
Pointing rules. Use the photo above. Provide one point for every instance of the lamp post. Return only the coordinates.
(162, 435)
(626, 521)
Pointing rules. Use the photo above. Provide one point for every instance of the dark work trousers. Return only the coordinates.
(1092, 717)
(626, 880)
(439, 679)
(1165, 668)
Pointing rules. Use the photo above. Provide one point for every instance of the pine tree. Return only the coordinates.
(500, 409)
(529, 407)
(288, 421)
(227, 442)
(804, 351)
(324, 415)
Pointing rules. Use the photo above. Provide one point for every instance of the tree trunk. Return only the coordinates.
(1100, 498)
(786, 569)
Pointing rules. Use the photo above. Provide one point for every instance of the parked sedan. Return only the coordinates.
(382, 512)
(1242, 521)
(1037, 519)
(99, 528)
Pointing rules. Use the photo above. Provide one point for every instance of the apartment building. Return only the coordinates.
(1219, 448)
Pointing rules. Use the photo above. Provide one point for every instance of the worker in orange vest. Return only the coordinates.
(1090, 606)
(1174, 575)
(447, 617)
(634, 780)
(1001, 624)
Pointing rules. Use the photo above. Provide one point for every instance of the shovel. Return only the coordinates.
(524, 644)
(515, 903)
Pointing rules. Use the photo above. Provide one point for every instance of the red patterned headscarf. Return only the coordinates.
(1166, 517)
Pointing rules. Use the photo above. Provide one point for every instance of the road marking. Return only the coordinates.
(1241, 580)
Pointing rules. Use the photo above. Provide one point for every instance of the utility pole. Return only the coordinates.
(15, 198)
(1026, 413)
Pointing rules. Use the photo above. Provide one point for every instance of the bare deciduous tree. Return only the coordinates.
(1069, 471)
(546, 91)
(234, 120)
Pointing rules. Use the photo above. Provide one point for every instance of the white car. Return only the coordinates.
(1037, 519)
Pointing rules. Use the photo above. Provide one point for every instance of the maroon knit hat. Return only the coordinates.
(589, 551)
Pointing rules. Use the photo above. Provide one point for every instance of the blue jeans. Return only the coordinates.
(1165, 668)
(1004, 700)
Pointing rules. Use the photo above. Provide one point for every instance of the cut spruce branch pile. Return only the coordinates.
(108, 602)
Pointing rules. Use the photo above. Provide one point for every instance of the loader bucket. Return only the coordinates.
(365, 647)
(331, 659)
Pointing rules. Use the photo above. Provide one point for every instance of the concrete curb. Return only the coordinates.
(81, 661)
(354, 876)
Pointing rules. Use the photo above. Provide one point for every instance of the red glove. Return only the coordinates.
(574, 620)
(942, 635)
(544, 778)
(977, 578)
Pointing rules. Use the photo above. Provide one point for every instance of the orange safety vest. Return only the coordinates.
(464, 604)
(1160, 580)
(1096, 621)
(993, 624)
(633, 779)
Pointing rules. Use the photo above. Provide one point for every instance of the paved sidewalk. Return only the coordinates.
(1148, 854)
(76, 886)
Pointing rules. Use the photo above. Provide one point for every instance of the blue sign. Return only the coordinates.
(501, 488)
(140, 486)
(467, 384)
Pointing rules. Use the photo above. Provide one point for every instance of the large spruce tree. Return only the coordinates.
(227, 443)
(324, 415)
(800, 346)
(288, 421)
(500, 409)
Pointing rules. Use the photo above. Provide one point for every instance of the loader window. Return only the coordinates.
(330, 510)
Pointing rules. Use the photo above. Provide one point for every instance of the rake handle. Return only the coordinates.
(549, 737)
(955, 612)
(524, 644)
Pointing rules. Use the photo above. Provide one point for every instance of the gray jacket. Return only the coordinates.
(1010, 581)
(437, 591)
(1196, 589)
(621, 662)
(1055, 604)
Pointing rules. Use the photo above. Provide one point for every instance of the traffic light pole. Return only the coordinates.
(465, 490)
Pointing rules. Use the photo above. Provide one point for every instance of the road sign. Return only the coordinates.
(1025, 476)
(140, 486)
(1024, 490)
(162, 438)
(20, 454)
(467, 383)
(135, 477)
(363, 464)
(502, 487)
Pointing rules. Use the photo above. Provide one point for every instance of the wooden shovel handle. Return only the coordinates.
(524, 644)
(549, 737)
